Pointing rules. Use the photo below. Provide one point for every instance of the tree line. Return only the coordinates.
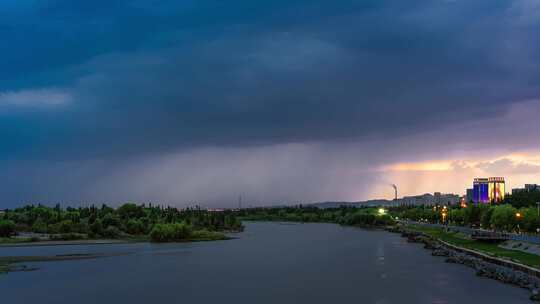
(365, 217)
(516, 212)
(498, 217)
(127, 220)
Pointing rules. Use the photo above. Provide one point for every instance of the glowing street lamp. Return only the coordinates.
(382, 211)
(444, 214)
(518, 217)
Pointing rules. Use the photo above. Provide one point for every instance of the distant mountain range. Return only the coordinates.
(369, 203)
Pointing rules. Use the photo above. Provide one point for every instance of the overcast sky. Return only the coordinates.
(177, 102)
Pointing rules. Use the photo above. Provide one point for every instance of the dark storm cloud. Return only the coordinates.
(105, 79)
(165, 76)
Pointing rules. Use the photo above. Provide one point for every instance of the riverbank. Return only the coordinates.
(74, 242)
(193, 236)
(490, 249)
(489, 260)
(12, 263)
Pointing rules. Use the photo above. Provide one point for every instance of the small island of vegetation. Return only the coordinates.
(43, 225)
(128, 222)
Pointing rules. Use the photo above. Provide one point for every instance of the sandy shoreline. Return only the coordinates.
(63, 243)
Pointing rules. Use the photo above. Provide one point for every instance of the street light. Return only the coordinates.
(518, 217)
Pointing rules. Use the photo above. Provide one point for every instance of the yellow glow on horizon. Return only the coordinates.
(455, 174)
(420, 166)
(452, 164)
(533, 159)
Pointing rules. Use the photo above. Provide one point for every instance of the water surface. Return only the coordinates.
(268, 263)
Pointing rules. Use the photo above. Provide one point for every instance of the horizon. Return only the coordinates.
(246, 205)
(281, 101)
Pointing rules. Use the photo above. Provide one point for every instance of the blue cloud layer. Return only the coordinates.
(154, 77)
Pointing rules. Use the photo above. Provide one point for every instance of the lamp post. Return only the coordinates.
(518, 217)
(444, 213)
(537, 215)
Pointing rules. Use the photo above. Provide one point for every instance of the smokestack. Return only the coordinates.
(395, 191)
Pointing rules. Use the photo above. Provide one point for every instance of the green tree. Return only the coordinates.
(135, 227)
(530, 220)
(110, 219)
(457, 216)
(472, 215)
(130, 210)
(66, 226)
(96, 228)
(39, 226)
(170, 232)
(112, 232)
(504, 217)
(485, 219)
(7, 228)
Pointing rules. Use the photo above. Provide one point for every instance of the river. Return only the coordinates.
(268, 263)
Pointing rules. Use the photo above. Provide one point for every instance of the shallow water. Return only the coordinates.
(268, 263)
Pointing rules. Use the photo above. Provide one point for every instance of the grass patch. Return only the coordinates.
(12, 263)
(205, 235)
(491, 249)
(3, 268)
(17, 240)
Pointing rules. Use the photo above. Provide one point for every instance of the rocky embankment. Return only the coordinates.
(485, 266)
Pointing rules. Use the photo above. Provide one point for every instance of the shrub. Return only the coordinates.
(7, 228)
(112, 232)
(39, 226)
(503, 217)
(96, 228)
(110, 220)
(170, 232)
(134, 227)
(68, 237)
(66, 226)
(204, 234)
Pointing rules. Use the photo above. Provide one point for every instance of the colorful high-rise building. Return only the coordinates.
(488, 190)
(480, 190)
(496, 189)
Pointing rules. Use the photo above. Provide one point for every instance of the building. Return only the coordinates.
(527, 188)
(480, 190)
(517, 190)
(436, 198)
(497, 189)
(532, 187)
(488, 190)
(469, 197)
